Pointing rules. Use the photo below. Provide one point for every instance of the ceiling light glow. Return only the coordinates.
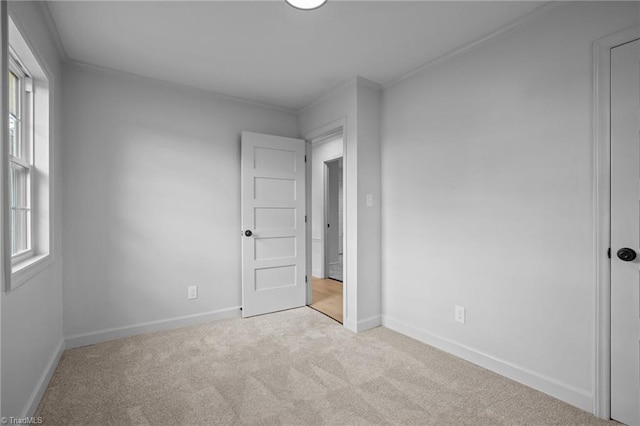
(306, 4)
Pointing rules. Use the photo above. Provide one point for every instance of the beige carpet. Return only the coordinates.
(295, 367)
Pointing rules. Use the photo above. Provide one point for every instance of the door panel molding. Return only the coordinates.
(602, 211)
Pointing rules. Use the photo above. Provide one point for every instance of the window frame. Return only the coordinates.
(43, 98)
(26, 146)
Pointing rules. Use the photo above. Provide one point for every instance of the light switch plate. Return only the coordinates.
(192, 292)
(369, 200)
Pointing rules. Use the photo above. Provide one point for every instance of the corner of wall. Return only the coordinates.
(31, 407)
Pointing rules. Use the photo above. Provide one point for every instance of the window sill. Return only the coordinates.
(23, 271)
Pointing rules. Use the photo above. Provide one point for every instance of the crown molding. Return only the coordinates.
(167, 83)
(355, 81)
(507, 29)
(53, 28)
(368, 83)
(327, 95)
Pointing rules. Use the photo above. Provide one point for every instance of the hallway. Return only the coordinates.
(327, 298)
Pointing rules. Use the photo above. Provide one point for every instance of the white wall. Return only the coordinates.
(32, 336)
(320, 153)
(152, 202)
(487, 180)
(369, 216)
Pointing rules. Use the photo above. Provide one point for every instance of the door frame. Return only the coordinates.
(326, 212)
(338, 126)
(602, 209)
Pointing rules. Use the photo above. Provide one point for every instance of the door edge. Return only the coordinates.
(601, 377)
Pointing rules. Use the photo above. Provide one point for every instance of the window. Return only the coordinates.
(26, 198)
(20, 159)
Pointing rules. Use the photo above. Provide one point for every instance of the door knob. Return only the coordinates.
(248, 233)
(626, 254)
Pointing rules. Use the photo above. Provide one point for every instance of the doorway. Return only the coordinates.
(280, 209)
(327, 225)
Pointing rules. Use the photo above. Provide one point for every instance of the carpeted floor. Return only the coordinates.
(296, 367)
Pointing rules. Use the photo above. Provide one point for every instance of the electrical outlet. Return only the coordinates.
(192, 292)
(460, 314)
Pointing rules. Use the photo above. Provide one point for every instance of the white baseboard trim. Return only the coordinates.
(363, 325)
(38, 392)
(87, 339)
(369, 323)
(350, 325)
(563, 391)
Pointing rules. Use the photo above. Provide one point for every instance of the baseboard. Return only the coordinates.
(38, 392)
(87, 339)
(369, 323)
(350, 325)
(556, 388)
(363, 325)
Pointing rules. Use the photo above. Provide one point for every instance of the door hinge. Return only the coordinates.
(305, 218)
(609, 252)
(305, 158)
(328, 225)
(306, 279)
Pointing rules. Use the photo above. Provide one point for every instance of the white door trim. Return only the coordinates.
(321, 132)
(602, 209)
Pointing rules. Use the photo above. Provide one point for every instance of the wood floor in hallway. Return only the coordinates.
(327, 297)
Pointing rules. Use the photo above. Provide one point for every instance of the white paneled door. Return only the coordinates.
(273, 223)
(625, 233)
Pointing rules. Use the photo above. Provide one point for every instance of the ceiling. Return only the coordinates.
(268, 52)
